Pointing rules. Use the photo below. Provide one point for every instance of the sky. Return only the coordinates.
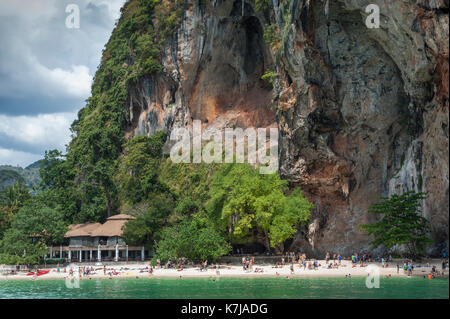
(46, 71)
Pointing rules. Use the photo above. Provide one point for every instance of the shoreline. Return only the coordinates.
(138, 271)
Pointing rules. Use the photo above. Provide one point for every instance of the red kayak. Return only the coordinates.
(40, 273)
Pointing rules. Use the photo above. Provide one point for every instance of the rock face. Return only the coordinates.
(362, 112)
(212, 73)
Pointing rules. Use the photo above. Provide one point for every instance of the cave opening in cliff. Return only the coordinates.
(229, 82)
(254, 55)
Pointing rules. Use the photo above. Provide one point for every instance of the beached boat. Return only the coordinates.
(40, 273)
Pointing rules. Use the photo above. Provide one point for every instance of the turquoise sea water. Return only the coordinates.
(227, 288)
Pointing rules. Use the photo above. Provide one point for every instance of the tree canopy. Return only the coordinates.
(246, 201)
(192, 240)
(401, 223)
(32, 228)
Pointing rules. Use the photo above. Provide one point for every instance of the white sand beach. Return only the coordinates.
(142, 271)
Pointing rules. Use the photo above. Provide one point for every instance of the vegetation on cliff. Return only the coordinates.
(133, 51)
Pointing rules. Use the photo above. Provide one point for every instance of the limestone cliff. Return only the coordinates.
(362, 112)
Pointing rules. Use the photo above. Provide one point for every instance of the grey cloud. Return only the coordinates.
(35, 49)
(46, 68)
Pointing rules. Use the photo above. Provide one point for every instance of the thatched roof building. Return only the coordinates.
(111, 228)
(95, 241)
(81, 230)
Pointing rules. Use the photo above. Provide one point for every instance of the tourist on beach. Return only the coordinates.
(340, 259)
(327, 257)
(410, 269)
(398, 268)
(158, 263)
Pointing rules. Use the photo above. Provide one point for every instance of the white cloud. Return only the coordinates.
(35, 134)
(41, 57)
(17, 158)
(46, 71)
(52, 129)
(75, 83)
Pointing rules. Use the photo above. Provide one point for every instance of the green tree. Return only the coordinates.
(12, 198)
(296, 211)
(57, 187)
(15, 195)
(401, 223)
(139, 169)
(248, 202)
(150, 218)
(191, 239)
(32, 228)
(6, 213)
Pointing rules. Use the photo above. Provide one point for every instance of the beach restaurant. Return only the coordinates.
(95, 242)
